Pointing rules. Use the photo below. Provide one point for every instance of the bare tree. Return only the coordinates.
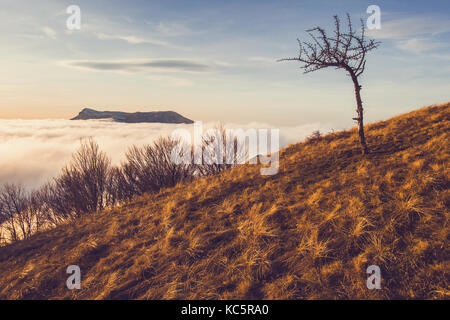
(2, 215)
(13, 202)
(114, 187)
(23, 210)
(150, 168)
(221, 151)
(26, 218)
(37, 210)
(314, 137)
(123, 179)
(51, 203)
(345, 50)
(3, 218)
(82, 185)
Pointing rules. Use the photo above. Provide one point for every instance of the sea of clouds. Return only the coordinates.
(34, 151)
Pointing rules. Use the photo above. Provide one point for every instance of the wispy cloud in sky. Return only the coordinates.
(175, 65)
(174, 29)
(137, 40)
(416, 34)
(49, 32)
(399, 28)
(176, 82)
(420, 45)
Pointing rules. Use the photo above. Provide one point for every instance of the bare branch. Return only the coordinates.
(345, 50)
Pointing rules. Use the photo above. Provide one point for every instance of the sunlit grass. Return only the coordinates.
(307, 233)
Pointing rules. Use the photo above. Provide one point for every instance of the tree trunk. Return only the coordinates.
(359, 110)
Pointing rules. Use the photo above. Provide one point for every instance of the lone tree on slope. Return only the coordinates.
(343, 50)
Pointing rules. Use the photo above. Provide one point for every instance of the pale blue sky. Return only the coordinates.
(214, 60)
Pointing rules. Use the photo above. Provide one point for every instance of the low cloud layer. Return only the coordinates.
(134, 66)
(34, 151)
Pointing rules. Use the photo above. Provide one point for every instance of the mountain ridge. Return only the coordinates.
(136, 117)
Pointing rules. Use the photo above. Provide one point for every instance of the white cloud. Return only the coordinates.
(171, 81)
(420, 45)
(136, 40)
(414, 34)
(33, 151)
(140, 65)
(129, 39)
(411, 27)
(269, 60)
(173, 29)
(49, 32)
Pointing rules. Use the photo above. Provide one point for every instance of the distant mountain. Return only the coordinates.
(137, 117)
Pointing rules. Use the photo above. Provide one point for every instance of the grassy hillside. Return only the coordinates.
(307, 233)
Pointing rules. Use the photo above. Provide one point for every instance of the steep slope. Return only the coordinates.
(308, 232)
(137, 117)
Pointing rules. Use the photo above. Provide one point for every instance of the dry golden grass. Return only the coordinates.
(307, 233)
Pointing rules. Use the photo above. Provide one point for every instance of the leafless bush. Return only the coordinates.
(3, 217)
(82, 185)
(14, 202)
(150, 169)
(20, 211)
(221, 151)
(89, 183)
(49, 204)
(314, 137)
